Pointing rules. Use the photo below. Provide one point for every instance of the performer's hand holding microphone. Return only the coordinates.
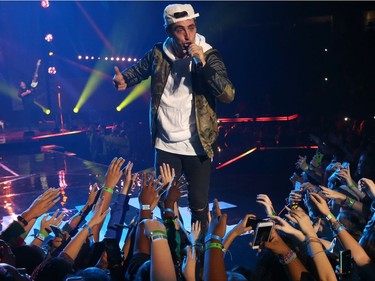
(196, 52)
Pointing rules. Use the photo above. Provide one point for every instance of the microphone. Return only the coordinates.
(197, 62)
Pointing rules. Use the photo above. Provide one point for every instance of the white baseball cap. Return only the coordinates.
(178, 12)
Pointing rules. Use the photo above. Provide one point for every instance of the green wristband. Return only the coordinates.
(44, 233)
(162, 232)
(110, 190)
(214, 245)
(352, 186)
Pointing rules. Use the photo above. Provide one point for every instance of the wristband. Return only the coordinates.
(21, 219)
(349, 201)
(156, 232)
(169, 210)
(330, 216)
(288, 257)
(88, 229)
(44, 233)
(214, 246)
(212, 236)
(352, 186)
(41, 237)
(158, 237)
(337, 227)
(145, 207)
(110, 190)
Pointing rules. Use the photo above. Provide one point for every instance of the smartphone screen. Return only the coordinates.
(262, 233)
(345, 261)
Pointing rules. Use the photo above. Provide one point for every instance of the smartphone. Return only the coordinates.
(253, 222)
(262, 233)
(345, 261)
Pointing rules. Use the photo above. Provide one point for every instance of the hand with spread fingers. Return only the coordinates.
(265, 201)
(284, 226)
(149, 194)
(42, 204)
(55, 220)
(299, 216)
(114, 172)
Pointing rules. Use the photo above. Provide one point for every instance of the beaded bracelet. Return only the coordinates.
(288, 257)
(214, 246)
(337, 227)
(110, 190)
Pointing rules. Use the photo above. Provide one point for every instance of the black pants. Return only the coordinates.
(197, 171)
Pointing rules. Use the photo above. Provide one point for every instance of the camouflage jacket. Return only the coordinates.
(210, 83)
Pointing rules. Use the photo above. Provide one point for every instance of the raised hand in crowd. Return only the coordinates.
(287, 228)
(315, 246)
(266, 202)
(45, 226)
(129, 178)
(367, 186)
(240, 228)
(78, 217)
(189, 263)
(287, 257)
(97, 218)
(162, 267)
(214, 266)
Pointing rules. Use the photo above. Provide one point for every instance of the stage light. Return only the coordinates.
(325, 50)
(106, 58)
(112, 58)
(52, 70)
(129, 59)
(75, 110)
(87, 57)
(79, 57)
(139, 90)
(123, 59)
(134, 59)
(50, 54)
(48, 37)
(92, 57)
(325, 79)
(44, 4)
(47, 112)
(346, 119)
(117, 59)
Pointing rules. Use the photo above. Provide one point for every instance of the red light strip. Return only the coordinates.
(262, 148)
(258, 119)
(57, 135)
(236, 158)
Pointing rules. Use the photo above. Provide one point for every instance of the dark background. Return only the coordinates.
(274, 52)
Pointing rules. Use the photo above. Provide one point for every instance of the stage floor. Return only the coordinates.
(40, 164)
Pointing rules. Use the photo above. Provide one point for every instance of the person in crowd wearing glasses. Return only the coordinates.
(188, 77)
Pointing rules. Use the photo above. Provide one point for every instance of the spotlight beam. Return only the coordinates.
(139, 90)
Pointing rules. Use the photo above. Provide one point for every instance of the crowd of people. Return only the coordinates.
(329, 210)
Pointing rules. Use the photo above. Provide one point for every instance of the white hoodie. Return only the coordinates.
(176, 114)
